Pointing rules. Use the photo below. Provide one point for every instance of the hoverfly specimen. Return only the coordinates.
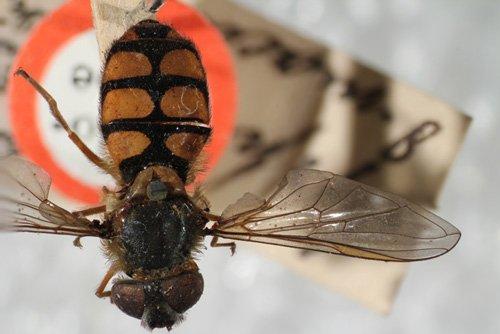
(155, 120)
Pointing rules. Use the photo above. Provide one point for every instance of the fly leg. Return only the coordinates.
(209, 231)
(54, 110)
(90, 211)
(100, 292)
(216, 243)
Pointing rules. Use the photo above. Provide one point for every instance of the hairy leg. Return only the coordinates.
(96, 160)
(100, 292)
(231, 245)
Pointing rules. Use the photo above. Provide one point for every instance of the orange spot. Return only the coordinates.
(185, 145)
(126, 144)
(183, 63)
(185, 102)
(126, 103)
(126, 65)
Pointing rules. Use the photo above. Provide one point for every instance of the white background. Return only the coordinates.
(448, 48)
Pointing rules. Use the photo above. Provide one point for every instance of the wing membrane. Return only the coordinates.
(24, 204)
(325, 212)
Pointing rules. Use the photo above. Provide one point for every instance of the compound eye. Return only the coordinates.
(167, 299)
(129, 297)
(157, 190)
(183, 291)
(158, 303)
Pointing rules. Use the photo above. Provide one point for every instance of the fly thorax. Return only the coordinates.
(159, 234)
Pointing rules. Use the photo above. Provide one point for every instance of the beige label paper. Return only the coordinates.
(305, 105)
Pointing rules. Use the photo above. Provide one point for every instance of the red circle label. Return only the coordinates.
(50, 56)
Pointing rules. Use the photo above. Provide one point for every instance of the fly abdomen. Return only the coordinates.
(154, 101)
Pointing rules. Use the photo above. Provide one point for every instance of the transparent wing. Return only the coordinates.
(24, 204)
(325, 212)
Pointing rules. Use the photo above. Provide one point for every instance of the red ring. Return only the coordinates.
(74, 18)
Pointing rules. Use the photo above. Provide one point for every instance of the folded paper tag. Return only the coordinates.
(300, 104)
(113, 17)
